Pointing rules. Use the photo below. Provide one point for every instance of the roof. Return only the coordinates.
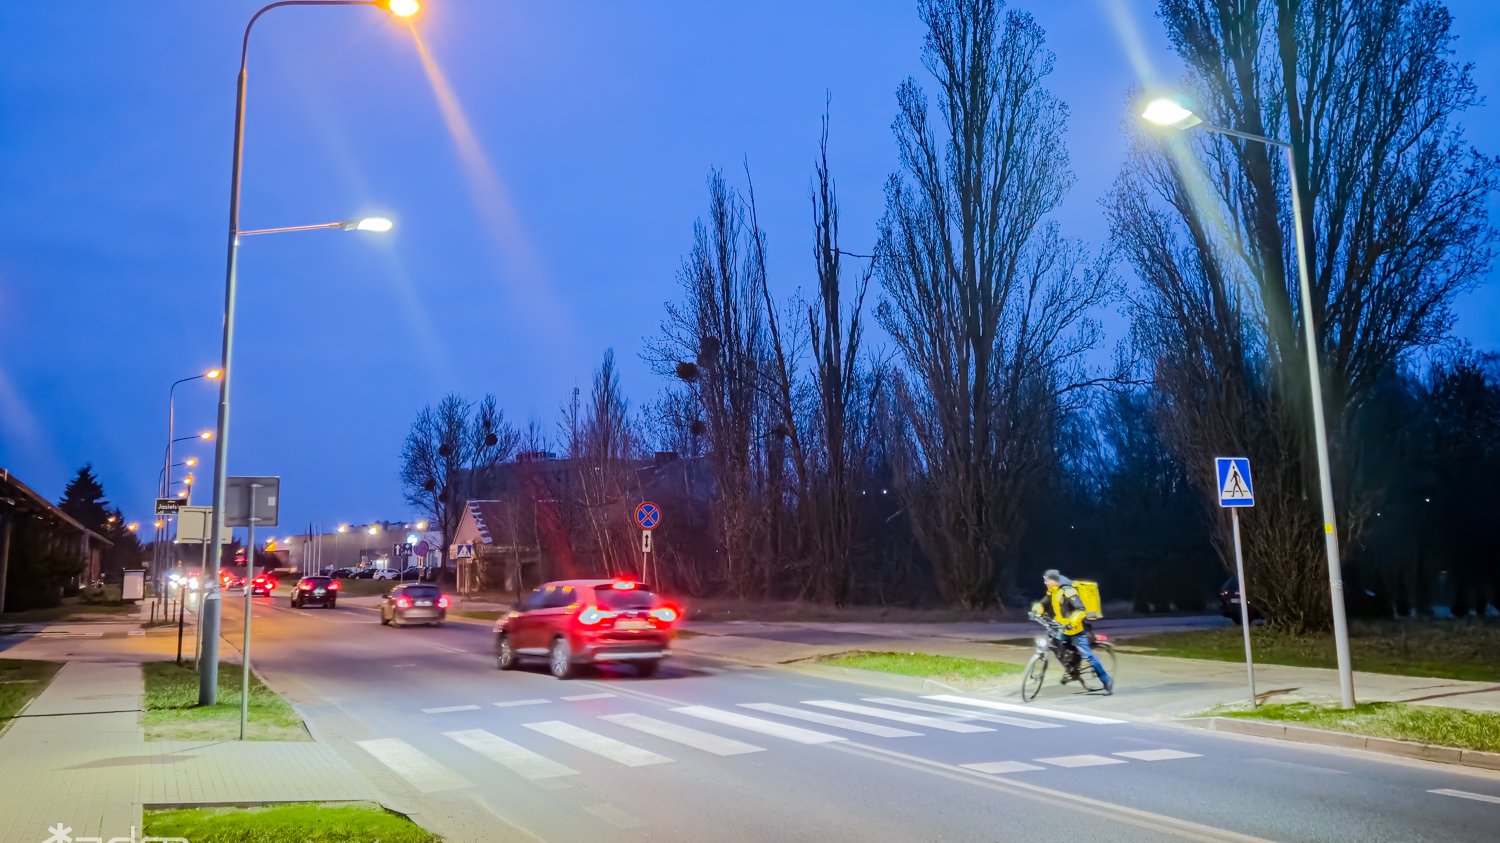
(596, 584)
(491, 519)
(16, 496)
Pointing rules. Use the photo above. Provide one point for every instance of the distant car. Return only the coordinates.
(322, 591)
(1229, 602)
(384, 573)
(582, 622)
(366, 574)
(416, 603)
(262, 585)
(340, 573)
(413, 574)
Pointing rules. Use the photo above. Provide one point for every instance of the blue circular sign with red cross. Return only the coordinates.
(648, 515)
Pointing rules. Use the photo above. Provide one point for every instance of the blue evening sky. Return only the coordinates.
(541, 214)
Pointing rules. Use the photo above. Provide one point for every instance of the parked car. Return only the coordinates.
(1229, 602)
(362, 574)
(340, 573)
(384, 573)
(413, 574)
(262, 585)
(323, 591)
(416, 603)
(583, 622)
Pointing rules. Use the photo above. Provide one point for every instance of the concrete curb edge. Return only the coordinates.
(1349, 740)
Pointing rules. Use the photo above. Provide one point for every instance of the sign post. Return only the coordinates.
(1236, 493)
(247, 496)
(648, 516)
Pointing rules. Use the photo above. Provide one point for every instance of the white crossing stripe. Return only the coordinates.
(682, 734)
(604, 747)
(964, 714)
(518, 759)
(755, 724)
(833, 720)
(582, 697)
(514, 703)
(1079, 761)
(447, 708)
(1025, 709)
(899, 716)
(1464, 794)
(1157, 754)
(419, 770)
(1002, 767)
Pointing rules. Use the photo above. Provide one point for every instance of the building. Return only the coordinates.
(31, 529)
(378, 544)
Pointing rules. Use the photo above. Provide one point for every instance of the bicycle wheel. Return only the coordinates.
(1036, 671)
(1105, 652)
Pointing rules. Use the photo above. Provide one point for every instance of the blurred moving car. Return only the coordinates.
(416, 603)
(321, 591)
(1229, 602)
(583, 622)
(262, 585)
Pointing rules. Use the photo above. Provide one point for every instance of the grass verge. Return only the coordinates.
(173, 713)
(20, 681)
(1468, 650)
(302, 823)
(71, 607)
(478, 614)
(1401, 721)
(924, 665)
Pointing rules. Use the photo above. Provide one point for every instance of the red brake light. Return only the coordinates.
(443, 602)
(403, 602)
(665, 614)
(307, 586)
(624, 585)
(1102, 637)
(333, 586)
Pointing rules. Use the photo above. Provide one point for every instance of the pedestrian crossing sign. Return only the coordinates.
(1234, 481)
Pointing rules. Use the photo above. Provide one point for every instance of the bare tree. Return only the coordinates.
(1394, 228)
(988, 305)
(608, 447)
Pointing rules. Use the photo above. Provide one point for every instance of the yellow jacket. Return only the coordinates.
(1067, 608)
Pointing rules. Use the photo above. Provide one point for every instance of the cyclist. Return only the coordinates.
(1067, 609)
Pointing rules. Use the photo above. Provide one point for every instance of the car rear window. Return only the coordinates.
(423, 591)
(617, 599)
(319, 581)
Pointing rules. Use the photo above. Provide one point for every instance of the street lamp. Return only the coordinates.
(212, 375)
(208, 659)
(1175, 113)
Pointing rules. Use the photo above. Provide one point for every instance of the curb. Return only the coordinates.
(1348, 740)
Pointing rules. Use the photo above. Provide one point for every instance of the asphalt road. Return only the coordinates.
(723, 752)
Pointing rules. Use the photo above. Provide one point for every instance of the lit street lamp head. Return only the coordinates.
(378, 225)
(213, 374)
(206, 435)
(191, 461)
(1165, 111)
(403, 8)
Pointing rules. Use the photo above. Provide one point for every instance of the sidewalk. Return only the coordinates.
(77, 756)
(1148, 687)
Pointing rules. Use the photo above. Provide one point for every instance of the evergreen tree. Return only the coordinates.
(83, 499)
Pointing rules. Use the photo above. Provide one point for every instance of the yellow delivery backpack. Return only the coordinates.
(1088, 592)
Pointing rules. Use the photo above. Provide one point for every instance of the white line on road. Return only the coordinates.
(833, 720)
(1025, 709)
(755, 724)
(1079, 761)
(899, 716)
(419, 770)
(518, 759)
(1464, 794)
(449, 708)
(605, 747)
(998, 767)
(458, 650)
(964, 714)
(1156, 754)
(514, 703)
(582, 697)
(682, 734)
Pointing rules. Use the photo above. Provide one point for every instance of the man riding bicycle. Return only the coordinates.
(1069, 612)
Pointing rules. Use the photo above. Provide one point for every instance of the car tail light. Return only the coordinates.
(590, 616)
(624, 585)
(443, 602)
(1102, 637)
(307, 586)
(403, 602)
(665, 614)
(333, 586)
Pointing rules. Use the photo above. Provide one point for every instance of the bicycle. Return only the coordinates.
(1056, 644)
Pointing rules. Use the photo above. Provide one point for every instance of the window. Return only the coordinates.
(560, 596)
(536, 600)
(423, 592)
(617, 600)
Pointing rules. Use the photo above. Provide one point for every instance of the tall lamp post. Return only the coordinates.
(166, 463)
(208, 659)
(1168, 111)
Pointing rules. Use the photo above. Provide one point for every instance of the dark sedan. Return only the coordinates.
(1229, 602)
(316, 591)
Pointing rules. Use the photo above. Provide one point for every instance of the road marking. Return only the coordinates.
(405, 664)
(418, 769)
(1025, 709)
(444, 709)
(682, 734)
(605, 747)
(1080, 761)
(997, 767)
(514, 703)
(899, 716)
(1156, 754)
(582, 697)
(458, 650)
(1464, 794)
(964, 714)
(518, 759)
(832, 720)
(755, 724)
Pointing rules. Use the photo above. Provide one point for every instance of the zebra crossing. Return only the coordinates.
(743, 729)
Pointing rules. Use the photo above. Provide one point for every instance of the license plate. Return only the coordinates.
(424, 603)
(1234, 600)
(319, 593)
(632, 625)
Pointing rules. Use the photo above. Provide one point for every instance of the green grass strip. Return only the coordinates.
(1430, 724)
(301, 823)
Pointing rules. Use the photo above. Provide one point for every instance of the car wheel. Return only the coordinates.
(333, 604)
(384, 621)
(560, 662)
(648, 668)
(505, 654)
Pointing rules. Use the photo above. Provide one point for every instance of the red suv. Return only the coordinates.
(581, 622)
